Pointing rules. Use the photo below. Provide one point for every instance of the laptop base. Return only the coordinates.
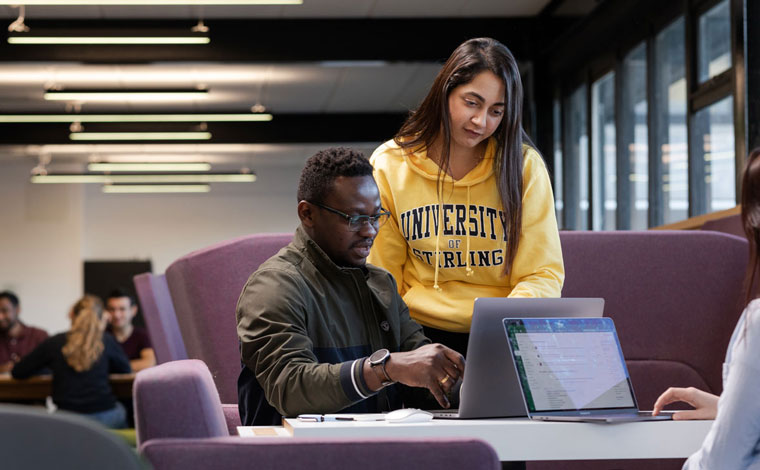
(609, 418)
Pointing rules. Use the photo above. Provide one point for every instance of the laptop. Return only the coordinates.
(490, 388)
(572, 369)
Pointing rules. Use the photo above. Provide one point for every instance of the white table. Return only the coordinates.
(522, 439)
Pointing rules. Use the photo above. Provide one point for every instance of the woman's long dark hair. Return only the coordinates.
(751, 218)
(423, 126)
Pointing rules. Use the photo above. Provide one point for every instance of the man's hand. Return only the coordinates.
(6, 367)
(433, 366)
(705, 404)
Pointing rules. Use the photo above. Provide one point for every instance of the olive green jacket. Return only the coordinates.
(306, 325)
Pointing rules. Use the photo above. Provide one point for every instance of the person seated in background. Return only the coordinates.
(16, 339)
(320, 330)
(81, 360)
(122, 308)
(734, 438)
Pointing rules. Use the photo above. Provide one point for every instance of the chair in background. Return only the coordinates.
(181, 426)
(160, 318)
(32, 438)
(675, 297)
(205, 286)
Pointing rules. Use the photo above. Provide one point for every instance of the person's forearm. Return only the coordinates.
(140, 364)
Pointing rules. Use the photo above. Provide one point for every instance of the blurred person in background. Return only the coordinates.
(80, 360)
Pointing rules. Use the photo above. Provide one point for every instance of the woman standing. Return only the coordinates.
(81, 360)
(471, 200)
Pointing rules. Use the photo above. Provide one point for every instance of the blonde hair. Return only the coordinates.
(84, 342)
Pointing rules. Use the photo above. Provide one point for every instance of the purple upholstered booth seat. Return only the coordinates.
(158, 312)
(731, 225)
(177, 399)
(205, 286)
(298, 454)
(675, 297)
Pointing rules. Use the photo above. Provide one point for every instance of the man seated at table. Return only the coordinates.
(320, 330)
(16, 339)
(122, 308)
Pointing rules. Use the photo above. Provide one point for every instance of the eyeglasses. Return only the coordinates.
(357, 222)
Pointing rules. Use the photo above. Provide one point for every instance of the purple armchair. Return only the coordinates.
(181, 425)
(675, 297)
(205, 286)
(158, 312)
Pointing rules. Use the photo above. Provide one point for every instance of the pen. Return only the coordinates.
(318, 418)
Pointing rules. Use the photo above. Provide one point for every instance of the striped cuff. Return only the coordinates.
(352, 380)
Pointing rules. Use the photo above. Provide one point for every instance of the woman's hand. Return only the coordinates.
(705, 404)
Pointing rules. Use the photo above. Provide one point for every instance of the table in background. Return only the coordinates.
(39, 387)
(523, 440)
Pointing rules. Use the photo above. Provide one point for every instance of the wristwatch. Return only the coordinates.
(379, 358)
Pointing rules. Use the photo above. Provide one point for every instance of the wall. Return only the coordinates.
(49, 230)
(40, 245)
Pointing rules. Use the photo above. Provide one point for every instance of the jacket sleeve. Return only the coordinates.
(389, 250)
(34, 362)
(272, 327)
(538, 269)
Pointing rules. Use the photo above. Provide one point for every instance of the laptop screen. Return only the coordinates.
(567, 364)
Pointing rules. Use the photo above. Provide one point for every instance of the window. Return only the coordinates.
(670, 118)
(558, 201)
(714, 43)
(714, 161)
(603, 156)
(635, 137)
(576, 161)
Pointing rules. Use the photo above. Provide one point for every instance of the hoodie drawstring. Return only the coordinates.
(437, 246)
(468, 271)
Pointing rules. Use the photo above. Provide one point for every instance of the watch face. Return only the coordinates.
(379, 356)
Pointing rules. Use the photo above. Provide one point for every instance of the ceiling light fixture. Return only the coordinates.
(140, 136)
(139, 178)
(107, 40)
(148, 166)
(124, 95)
(66, 118)
(152, 2)
(155, 188)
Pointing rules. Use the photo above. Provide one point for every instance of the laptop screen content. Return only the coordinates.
(569, 364)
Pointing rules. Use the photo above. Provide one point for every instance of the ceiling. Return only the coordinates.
(330, 71)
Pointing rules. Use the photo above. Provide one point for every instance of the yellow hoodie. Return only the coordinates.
(409, 245)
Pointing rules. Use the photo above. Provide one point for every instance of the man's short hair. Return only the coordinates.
(322, 168)
(119, 293)
(12, 298)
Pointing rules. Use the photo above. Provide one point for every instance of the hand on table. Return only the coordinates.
(705, 404)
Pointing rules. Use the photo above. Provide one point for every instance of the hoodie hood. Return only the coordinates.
(426, 167)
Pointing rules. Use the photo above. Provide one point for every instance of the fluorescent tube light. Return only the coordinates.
(201, 178)
(148, 166)
(105, 40)
(155, 188)
(151, 2)
(128, 95)
(42, 118)
(140, 136)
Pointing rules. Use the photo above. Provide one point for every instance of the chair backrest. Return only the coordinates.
(333, 454)
(33, 438)
(731, 225)
(158, 312)
(177, 399)
(675, 297)
(205, 286)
